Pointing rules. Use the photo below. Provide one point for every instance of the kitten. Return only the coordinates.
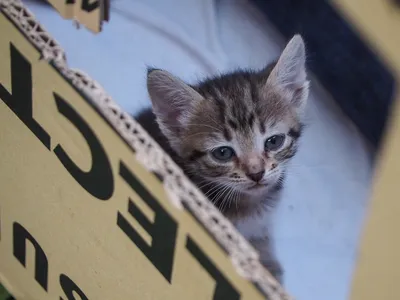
(233, 136)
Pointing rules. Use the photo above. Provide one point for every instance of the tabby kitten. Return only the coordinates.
(233, 136)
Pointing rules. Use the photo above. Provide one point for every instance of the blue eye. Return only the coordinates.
(274, 142)
(223, 154)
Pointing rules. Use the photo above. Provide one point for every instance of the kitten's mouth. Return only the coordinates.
(257, 186)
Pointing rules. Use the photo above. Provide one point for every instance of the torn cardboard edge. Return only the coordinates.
(89, 13)
(181, 191)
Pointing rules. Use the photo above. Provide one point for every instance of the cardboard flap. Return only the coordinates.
(90, 13)
(90, 204)
(65, 8)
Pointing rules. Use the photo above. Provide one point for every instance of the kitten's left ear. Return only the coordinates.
(289, 74)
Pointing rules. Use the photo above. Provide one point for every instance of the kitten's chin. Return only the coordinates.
(256, 189)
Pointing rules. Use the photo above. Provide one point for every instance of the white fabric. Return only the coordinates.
(318, 223)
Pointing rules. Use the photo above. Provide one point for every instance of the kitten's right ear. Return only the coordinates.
(289, 74)
(172, 100)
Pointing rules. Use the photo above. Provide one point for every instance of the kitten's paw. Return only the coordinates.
(275, 268)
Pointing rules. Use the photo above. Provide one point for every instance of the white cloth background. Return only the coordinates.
(318, 223)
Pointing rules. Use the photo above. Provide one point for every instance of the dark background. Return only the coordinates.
(358, 80)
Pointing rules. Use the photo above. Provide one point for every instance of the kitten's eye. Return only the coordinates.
(223, 154)
(274, 142)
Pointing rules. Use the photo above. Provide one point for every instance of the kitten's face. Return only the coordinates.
(239, 136)
(239, 129)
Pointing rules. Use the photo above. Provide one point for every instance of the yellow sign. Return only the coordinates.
(80, 217)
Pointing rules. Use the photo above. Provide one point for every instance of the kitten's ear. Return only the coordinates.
(172, 100)
(289, 74)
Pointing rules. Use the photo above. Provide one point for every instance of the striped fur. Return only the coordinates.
(240, 110)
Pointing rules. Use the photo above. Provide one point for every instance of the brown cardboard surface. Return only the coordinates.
(65, 8)
(89, 13)
(378, 270)
(79, 212)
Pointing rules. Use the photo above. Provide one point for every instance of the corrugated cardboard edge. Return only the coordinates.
(180, 189)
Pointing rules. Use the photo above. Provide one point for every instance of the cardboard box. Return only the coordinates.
(90, 204)
(90, 13)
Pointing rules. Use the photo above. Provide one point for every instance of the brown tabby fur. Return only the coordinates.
(241, 109)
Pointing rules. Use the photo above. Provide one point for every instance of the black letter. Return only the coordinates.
(99, 180)
(162, 231)
(89, 7)
(223, 289)
(20, 235)
(20, 99)
(69, 287)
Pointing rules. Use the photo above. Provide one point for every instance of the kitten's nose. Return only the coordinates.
(256, 176)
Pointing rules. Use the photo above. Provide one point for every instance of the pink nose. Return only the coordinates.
(256, 177)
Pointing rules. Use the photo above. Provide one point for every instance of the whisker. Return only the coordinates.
(199, 125)
(204, 184)
(215, 189)
(217, 196)
(197, 134)
(236, 201)
(228, 196)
